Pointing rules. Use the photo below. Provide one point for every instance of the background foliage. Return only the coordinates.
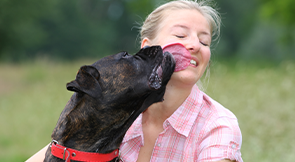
(71, 29)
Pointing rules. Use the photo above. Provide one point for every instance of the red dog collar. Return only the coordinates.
(68, 154)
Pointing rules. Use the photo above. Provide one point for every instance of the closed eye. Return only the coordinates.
(205, 44)
(179, 36)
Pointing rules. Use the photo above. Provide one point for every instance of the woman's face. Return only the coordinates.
(190, 28)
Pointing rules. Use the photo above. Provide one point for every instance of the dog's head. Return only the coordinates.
(119, 78)
(113, 91)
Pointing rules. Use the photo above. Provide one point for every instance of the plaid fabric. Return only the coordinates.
(199, 130)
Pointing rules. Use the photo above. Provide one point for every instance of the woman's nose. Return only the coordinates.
(193, 45)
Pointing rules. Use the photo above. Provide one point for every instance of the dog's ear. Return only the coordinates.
(86, 82)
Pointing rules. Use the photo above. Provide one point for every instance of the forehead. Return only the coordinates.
(191, 18)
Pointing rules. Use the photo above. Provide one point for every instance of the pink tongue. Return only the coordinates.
(180, 53)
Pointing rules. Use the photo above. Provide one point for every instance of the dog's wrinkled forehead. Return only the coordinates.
(129, 65)
(116, 66)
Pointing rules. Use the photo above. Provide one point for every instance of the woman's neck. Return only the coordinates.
(173, 98)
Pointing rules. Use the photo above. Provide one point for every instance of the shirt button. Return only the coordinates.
(159, 145)
(233, 146)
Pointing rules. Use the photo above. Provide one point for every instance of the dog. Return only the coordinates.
(109, 96)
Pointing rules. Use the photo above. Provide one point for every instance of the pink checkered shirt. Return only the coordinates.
(199, 130)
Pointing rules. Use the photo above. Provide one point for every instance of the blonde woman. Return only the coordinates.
(188, 125)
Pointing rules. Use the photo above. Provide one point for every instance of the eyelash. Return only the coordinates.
(204, 44)
(180, 36)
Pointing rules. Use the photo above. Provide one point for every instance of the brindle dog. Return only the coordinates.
(109, 96)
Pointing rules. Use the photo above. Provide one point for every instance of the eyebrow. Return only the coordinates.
(179, 25)
(185, 27)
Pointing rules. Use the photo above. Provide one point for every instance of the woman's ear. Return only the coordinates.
(145, 42)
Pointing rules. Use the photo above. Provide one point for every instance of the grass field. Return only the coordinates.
(33, 94)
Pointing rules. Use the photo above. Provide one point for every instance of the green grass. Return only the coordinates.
(32, 95)
(262, 98)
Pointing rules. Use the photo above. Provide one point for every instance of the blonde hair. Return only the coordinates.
(151, 24)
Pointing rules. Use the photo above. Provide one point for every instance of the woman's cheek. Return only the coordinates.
(207, 55)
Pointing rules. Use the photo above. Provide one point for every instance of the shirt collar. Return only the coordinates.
(135, 130)
(183, 119)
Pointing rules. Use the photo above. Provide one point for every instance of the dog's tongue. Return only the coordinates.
(181, 55)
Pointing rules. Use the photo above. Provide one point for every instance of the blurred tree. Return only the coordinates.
(69, 29)
(282, 11)
(273, 35)
(18, 26)
(238, 19)
(90, 28)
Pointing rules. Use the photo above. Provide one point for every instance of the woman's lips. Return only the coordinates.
(181, 55)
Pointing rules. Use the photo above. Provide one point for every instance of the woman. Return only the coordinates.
(188, 125)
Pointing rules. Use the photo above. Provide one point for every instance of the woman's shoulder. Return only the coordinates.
(207, 107)
(221, 126)
(217, 109)
(218, 116)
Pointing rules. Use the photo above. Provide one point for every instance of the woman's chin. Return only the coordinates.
(185, 77)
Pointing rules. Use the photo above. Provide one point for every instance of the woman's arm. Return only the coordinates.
(39, 156)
